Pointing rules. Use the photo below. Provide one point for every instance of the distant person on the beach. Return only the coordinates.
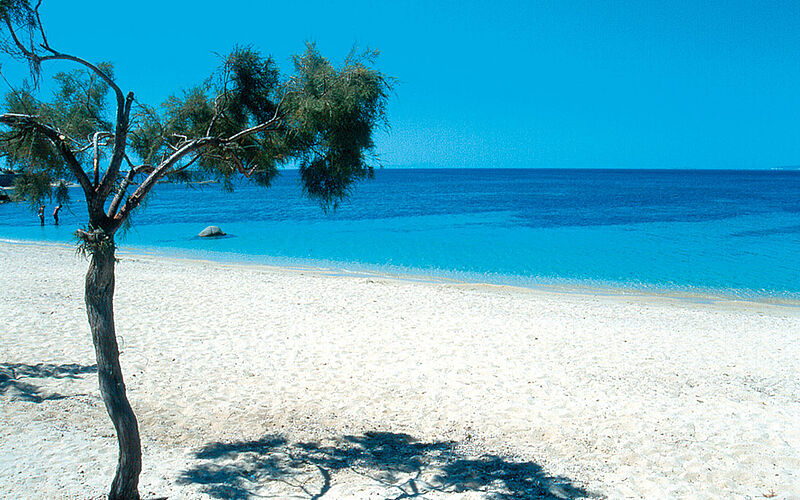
(55, 213)
(41, 214)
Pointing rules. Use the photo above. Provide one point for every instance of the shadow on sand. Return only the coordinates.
(397, 465)
(11, 373)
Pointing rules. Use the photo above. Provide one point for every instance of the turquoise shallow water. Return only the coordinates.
(728, 232)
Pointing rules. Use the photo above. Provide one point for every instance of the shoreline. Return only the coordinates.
(653, 292)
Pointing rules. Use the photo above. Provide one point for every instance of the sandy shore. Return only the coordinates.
(260, 381)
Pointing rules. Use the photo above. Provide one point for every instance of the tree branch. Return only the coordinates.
(96, 162)
(144, 167)
(120, 143)
(217, 112)
(39, 22)
(123, 102)
(55, 55)
(16, 40)
(254, 130)
(157, 174)
(112, 209)
(22, 122)
(187, 165)
(186, 148)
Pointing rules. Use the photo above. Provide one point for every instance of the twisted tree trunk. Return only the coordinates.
(99, 307)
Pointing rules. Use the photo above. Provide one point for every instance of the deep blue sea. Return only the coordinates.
(729, 232)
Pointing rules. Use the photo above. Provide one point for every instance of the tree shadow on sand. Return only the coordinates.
(11, 375)
(397, 465)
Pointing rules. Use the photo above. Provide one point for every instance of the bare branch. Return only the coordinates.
(187, 165)
(16, 40)
(59, 56)
(255, 129)
(157, 174)
(112, 209)
(126, 182)
(41, 27)
(120, 143)
(217, 111)
(262, 126)
(144, 167)
(55, 55)
(96, 163)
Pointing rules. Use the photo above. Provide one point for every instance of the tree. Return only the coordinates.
(246, 120)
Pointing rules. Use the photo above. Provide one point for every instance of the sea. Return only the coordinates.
(697, 232)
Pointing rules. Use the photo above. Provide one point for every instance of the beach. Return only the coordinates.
(256, 381)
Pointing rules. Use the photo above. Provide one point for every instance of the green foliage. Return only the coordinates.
(25, 149)
(36, 187)
(253, 83)
(18, 12)
(333, 113)
(33, 187)
(320, 118)
(77, 110)
(326, 118)
(79, 107)
(61, 192)
(147, 139)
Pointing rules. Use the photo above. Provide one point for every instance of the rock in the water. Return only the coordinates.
(211, 231)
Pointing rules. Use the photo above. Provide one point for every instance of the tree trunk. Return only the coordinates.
(99, 307)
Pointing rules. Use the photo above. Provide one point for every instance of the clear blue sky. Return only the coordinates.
(678, 84)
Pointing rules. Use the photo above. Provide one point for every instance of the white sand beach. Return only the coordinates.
(253, 381)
